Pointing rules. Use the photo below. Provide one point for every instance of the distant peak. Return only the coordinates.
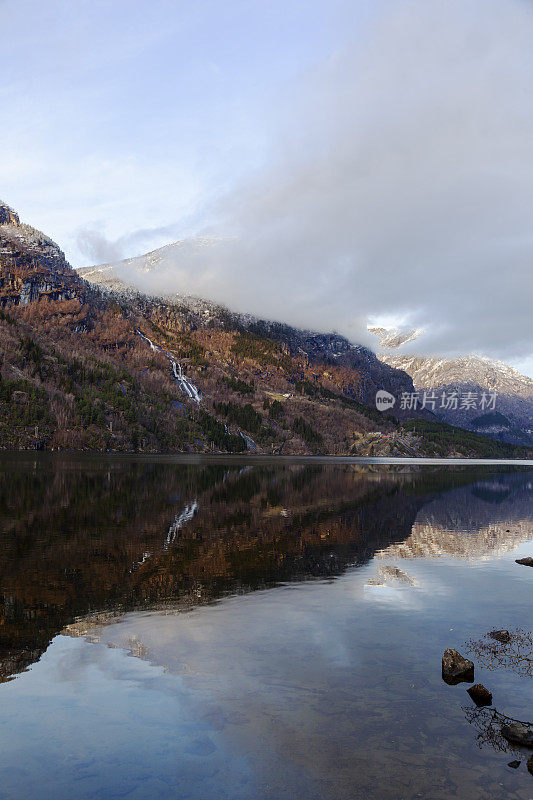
(395, 337)
(7, 215)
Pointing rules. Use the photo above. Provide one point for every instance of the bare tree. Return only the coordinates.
(488, 723)
(505, 650)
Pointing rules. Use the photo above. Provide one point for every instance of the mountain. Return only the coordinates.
(509, 418)
(476, 370)
(100, 366)
(314, 347)
(109, 275)
(515, 405)
(91, 369)
(33, 266)
(395, 337)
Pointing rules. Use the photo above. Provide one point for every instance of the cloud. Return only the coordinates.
(402, 188)
(93, 243)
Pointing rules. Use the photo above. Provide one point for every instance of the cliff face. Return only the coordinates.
(7, 215)
(32, 267)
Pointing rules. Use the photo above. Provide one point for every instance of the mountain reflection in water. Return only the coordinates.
(307, 663)
(117, 536)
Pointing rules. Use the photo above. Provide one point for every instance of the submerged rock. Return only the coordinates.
(500, 636)
(518, 733)
(514, 764)
(455, 668)
(480, 695)
(530, 764)
(527, 561)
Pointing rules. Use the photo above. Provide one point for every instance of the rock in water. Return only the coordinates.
(500, 636)
(455, 668)
(527, 562)
(480, 695)
(530, 764)
(518, 733)
(514, 764)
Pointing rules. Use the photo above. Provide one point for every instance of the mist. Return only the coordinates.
(401, 187)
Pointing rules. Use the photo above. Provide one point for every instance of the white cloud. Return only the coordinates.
(403, 187)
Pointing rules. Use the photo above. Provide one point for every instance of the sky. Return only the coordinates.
(350, 162)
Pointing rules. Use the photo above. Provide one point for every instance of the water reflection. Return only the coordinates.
(225, 631)
(106, 536)
(488, 724)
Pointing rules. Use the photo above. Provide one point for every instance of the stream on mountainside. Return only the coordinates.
(217, 628)
(186, 385)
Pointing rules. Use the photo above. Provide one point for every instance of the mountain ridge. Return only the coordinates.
(86, 367)
(513, 405)
(315, 346)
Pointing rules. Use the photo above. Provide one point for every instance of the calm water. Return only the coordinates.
(224, 630)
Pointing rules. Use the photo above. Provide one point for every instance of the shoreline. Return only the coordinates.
(258, 458)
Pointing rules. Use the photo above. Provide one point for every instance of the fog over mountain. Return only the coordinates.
(402, 189)
(355, 161)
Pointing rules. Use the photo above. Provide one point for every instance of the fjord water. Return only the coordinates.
(246, 631)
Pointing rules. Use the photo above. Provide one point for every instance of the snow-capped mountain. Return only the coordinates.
(395, 337)
(491, 375)
(508, 417)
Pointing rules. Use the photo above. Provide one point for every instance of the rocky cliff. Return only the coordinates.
(33, 267)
